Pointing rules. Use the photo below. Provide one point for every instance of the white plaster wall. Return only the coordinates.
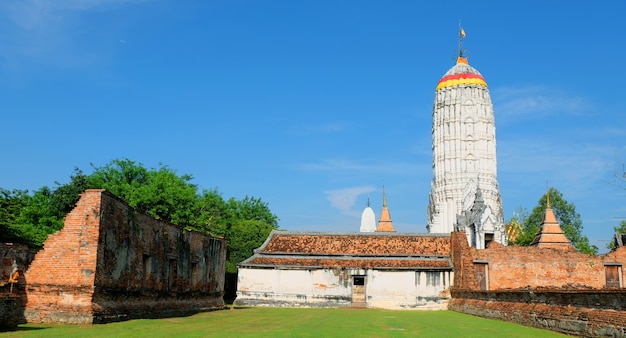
(407, 289)
(258, 280)
(274, 287)
(422, 290)
(331, 283)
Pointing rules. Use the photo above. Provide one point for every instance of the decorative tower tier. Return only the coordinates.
(464, 192)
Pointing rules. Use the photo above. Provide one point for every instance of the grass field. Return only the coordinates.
(281, 322)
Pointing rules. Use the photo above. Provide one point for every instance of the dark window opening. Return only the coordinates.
(488, 239)
(359, 280)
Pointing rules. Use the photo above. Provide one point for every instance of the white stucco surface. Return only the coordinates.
(389, 289)
(464, 156)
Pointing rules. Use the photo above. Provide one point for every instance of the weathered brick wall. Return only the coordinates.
(60, 281)
(147, 268)
(111, 262)
(560, 290)
(462, 260)
(10, 314)
(513, 267)
(581, 313)
(13, 258)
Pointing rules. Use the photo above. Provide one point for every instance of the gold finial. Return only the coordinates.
(461, 37)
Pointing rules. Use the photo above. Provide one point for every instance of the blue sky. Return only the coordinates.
(313, 105)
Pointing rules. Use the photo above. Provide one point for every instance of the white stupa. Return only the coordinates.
(368, 219)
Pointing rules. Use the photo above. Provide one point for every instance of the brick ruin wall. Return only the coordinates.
(560, 290)
(111, 262)
(13, 258)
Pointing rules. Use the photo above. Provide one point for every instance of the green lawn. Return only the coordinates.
(281, 322)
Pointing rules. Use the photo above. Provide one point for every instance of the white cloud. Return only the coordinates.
(30, 15)
(535, 102)
(575, 164)
(344, 199)
(383, 167)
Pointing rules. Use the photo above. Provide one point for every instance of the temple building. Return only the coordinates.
(464, 192)
(375, 267)
(351, 269)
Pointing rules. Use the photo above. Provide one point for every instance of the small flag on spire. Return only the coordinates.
(463, 33)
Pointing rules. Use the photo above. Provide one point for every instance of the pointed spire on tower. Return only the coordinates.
(384, 197)
(462, 35)
(385, 224)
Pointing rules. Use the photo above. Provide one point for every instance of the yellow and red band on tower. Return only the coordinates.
(461, 79)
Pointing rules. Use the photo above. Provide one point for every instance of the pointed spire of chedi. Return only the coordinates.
(550, 234)
(385, 224)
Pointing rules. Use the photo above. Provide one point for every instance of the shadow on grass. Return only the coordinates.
(23, 327)
(239, 308)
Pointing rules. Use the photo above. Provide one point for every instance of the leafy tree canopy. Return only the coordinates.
(11, 204)
(567, 216)
(161, 193)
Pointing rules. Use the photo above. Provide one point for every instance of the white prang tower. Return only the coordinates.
(464, 192)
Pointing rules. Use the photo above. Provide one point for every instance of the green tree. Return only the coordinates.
(121, 177)
(251, 208)
(161, 193)
(244, 236)
(37, 218)
(246, 224)
(619, 230)
(44, 212)
(11, 204)
(65, 196)
(567, 217)
(211, 209)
